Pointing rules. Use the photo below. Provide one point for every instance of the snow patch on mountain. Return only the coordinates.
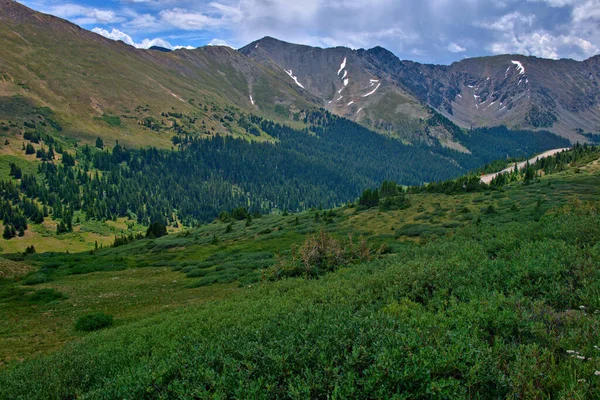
(349, 104)
(519, 66)
(342, 66)
(346, 81)
(291, 74)
(373, 91)
(251, 100)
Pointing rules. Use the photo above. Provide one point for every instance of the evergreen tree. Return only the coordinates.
(156, 230)
(7, 233)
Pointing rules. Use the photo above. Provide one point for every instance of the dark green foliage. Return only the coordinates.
(29, 149)
(9, 232)
(490, 144)
(328, 163)
(35, 279)
(240, 213)
(417, 230)
(94, 322)
(99, 143)
(490, 210)
(68, 159)
(156, 230)
(369, 198)
(15, 171)
(30, 249)
(44, 296)
(112, 120)
(125, 239)
(398, 202)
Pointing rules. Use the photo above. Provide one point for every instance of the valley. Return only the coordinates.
(224, 275)
(291, 221)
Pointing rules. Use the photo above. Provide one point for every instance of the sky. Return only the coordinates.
(430, 31)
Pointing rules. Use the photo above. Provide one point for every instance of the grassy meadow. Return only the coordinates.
(490, 295)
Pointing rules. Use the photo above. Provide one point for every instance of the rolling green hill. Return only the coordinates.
(487, 291)
(85, 78)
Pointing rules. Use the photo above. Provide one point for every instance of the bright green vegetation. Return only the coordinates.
(486, 293)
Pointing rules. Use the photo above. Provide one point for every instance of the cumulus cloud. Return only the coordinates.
(439, 31)
(218, 42)
(455, 48)
(116, 34)
(84, 15)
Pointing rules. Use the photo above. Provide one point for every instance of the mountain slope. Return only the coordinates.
(562, 96)
(82, 75)
(347, 85)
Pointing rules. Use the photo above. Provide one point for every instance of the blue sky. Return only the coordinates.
(432, 31)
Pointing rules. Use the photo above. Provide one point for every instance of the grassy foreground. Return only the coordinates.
(472, 304)
(489, 312)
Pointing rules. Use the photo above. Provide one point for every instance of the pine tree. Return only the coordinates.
(7, 233)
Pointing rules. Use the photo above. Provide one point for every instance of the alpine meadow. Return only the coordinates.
(181, 219)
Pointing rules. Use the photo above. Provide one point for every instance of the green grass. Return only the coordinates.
(468, 303)
(492, 310)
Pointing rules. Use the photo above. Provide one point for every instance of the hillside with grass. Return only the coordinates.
(100, 87)
(453, 290)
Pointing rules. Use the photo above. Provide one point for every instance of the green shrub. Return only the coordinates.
(35, 279)
(93, 322)
(111, 120)
(46, 296)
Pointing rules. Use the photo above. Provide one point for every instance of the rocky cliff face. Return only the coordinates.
(376, 88)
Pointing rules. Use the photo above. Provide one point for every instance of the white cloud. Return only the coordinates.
(217, 15)
(84, 15)
(555, 3)
(546, 45)
(455, 48)
(218, 42)
(116, 34)
(441, 30)
(589, 10)
(183, 19)
(142, 21)
(508, 22)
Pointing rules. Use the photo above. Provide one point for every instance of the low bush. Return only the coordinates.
(93, 322)
(35, 279)
(46, 296)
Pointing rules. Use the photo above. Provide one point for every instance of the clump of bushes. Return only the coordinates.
(156, 230)
(47, 296)
(93, 322)
(35, 279)
(321, 253)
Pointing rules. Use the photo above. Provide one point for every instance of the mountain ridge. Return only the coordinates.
(84, 76)
(523, 96)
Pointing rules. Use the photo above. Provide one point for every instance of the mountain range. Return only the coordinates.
(84, 77)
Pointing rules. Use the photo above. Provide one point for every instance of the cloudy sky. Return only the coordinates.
(433, 31)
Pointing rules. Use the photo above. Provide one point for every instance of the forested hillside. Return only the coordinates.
(327, 164)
